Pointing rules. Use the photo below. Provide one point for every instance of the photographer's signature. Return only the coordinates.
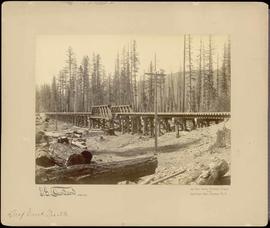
(56, 191)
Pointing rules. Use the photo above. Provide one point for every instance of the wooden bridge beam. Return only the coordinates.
(151, 120)
(136, 122)
(145, 127)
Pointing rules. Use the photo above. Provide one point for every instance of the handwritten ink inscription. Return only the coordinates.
(21, 214)
(56, 191)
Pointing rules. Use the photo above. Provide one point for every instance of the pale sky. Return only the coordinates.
(51, 51)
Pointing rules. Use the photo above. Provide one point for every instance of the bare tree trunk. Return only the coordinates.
(184, 75)
(190, 74)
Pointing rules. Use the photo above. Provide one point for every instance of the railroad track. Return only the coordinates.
(199, 115)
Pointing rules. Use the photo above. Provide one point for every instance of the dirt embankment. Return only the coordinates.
(211, 145)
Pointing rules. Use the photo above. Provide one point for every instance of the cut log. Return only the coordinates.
(95, 132)
(54, 134)
(84, 157)
(76, 135)
(102, 173)
(63, 140)
(79, 132)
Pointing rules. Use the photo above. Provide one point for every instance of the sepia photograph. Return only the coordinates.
(134, 113)
(133, 109)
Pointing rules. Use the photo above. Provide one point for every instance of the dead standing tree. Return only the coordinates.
(200, 77)
(184, 76)
(71, 71)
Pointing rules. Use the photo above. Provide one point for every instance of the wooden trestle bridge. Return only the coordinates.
(122, 118)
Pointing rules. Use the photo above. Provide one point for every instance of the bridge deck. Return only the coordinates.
(67, 113)
(150, 114)
(178, 114)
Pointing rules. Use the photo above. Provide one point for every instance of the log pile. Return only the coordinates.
(55, 154)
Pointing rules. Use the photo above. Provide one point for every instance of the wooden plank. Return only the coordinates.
(168, 177)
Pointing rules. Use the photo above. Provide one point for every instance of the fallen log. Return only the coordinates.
(189, 177)
(46, 158)
(217, 169)
(54, 134)
(98, 173)
(148, 180)
(168, 177)
(210, 174)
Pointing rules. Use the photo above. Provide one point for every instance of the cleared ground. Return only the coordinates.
(193, 151)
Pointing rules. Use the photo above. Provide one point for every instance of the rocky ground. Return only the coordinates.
(188, 157)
